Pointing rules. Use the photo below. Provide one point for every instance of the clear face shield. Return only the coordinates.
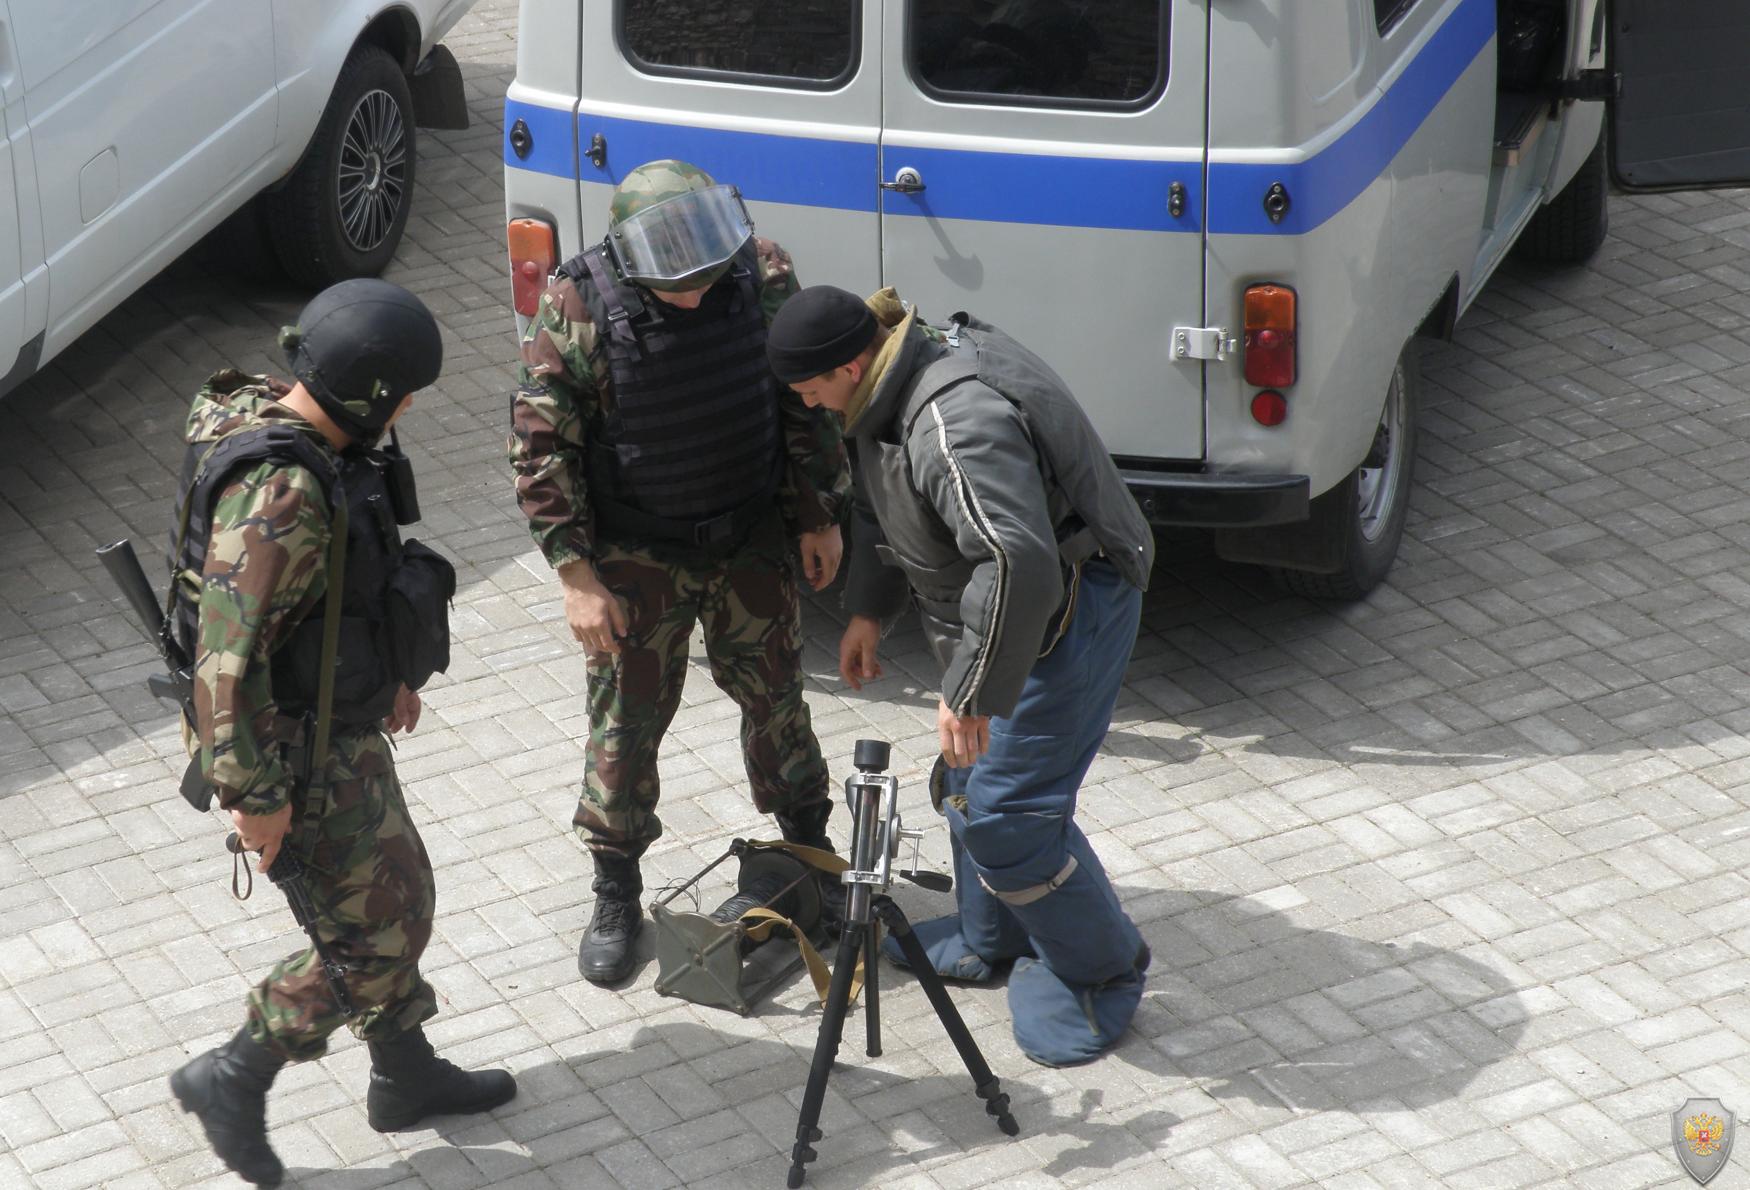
(681, 236)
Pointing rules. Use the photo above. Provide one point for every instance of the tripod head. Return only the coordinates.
(871, 756)
(876, 833)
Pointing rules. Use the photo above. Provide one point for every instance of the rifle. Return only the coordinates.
(288, 873)
(175, 686)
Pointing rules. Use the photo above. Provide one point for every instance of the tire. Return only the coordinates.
(1571, 226)
(343, 209)
(1365, 513)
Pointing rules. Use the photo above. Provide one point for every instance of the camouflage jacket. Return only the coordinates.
(564, 397)
(265, 567)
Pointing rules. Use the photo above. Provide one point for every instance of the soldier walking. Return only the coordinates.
(669, 479)
(283, 563)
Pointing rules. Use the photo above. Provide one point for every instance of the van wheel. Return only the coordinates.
(1363, 516)
(342, 211)
(1571, 226)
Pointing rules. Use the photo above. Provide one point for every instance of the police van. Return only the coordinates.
(1225, 222)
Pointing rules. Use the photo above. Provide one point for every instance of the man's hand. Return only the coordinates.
(964, 737)
(596, 616)
(263, 833)
(857, 660)
(405, 715)
(821, 553)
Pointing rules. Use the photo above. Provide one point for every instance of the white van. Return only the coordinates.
(1224, 221)
(135, 127)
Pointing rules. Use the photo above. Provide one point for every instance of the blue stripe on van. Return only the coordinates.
(999, 187)
(1058, 191)
(766, 167)
(1029, 188)
(553, 147)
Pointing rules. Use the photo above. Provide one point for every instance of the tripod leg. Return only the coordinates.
(871, 988)
(996, 1103)
(826, 1048)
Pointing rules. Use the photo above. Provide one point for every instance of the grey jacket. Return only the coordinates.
(982, 486)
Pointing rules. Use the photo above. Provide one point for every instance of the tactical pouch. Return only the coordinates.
(418, 619)
(363, 690)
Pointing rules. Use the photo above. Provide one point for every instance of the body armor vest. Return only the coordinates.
(692, 427)
(365, 681)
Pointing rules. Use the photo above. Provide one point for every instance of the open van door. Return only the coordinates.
(1680, 121)
(1042, 167)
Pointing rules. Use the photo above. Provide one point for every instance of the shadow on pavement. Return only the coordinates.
(1251, 1004)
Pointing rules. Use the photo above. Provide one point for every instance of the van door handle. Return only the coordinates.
(906, 181)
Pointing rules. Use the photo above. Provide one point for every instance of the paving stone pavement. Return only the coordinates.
(1445, 887)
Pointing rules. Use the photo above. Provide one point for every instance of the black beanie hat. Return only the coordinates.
(816, 331)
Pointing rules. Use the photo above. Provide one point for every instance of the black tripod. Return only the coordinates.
(875, 838)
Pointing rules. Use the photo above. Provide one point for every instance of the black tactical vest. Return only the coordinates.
(364, 679)
(693, 424)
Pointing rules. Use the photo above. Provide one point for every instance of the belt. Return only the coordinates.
(615, 518)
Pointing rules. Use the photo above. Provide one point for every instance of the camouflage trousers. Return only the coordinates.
(371, 885)
(748, 607)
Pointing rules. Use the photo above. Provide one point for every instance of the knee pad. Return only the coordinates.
(1073, 919)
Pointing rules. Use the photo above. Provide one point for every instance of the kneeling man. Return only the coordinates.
(983, 487)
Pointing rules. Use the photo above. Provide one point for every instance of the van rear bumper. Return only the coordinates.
(1218, 501)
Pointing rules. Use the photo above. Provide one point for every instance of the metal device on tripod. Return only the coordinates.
(876, 836)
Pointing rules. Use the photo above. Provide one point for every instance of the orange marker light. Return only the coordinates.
(1270, 337)
(533, 250)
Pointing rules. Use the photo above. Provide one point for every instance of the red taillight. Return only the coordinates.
(1269, 408)
(533, 250)
(1270, 324)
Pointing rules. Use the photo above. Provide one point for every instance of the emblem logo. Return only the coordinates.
(1701, 1132)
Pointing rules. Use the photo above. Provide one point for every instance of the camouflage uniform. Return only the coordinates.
(745, 597)
(369, 877)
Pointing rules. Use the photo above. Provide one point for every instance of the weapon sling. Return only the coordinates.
(289, 865)
(317, 765)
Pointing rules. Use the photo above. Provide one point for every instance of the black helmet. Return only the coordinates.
(359, 348)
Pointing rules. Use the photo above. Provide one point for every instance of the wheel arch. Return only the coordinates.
(395, 30)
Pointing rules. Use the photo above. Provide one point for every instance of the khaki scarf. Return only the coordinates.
(890, 312)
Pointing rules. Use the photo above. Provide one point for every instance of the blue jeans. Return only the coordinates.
(1018, 835)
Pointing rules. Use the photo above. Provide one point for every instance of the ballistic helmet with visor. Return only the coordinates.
(359, 348)
(672, 227)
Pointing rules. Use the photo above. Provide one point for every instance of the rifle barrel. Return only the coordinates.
(124, 569)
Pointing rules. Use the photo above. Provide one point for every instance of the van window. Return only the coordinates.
(1387, 12)
(1079, 52)
(807, 43)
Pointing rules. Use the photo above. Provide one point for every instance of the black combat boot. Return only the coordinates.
(409, 1082)
(606, 954)
(806, 827)
(227, 1089)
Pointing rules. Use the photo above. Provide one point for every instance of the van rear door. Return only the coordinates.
(781, 98)
(1680, 121)
(1042, 168)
